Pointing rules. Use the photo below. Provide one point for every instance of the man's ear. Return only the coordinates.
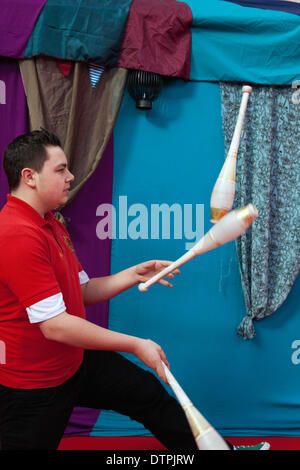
(28, 177)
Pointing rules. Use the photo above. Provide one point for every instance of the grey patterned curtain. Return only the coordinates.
(268, 175)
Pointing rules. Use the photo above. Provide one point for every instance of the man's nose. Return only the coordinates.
(70, 176)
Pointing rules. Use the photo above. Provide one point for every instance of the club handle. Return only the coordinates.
(143, 286)
(177, 389)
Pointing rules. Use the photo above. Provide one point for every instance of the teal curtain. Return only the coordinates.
(268, 175)
(235, 43)
(80, 30)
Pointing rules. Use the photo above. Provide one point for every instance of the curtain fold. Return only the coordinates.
(281, 5)
(81, 115)
(268, 175)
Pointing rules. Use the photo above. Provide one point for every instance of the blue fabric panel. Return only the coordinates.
(235, 43)
(81, 30)
(281, 5)
(170, 155)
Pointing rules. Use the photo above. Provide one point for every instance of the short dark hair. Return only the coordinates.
(27, 151)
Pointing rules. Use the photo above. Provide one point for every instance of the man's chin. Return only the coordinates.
(61, 203)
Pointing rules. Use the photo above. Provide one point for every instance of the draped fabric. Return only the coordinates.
(158, 38)
(234, 43)
(13, 114)
(215, 40)
(95, 256)
(80, 30)
(281, 5)
(82, 117)
(268, 175)
(17, 21)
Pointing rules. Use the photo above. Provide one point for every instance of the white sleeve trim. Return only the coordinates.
(83, 277)
(46, 308)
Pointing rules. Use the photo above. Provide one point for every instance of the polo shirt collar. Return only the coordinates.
(24, 208)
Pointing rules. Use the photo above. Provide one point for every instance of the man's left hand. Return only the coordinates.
(148, 269)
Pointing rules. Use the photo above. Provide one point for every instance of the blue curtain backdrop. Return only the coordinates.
(170, 155)
(234, 43)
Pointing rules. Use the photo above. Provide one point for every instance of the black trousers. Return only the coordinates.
(36, 419)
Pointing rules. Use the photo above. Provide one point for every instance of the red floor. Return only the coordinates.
(150, 443)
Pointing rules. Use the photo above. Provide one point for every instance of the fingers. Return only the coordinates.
(160, 369)
(166, 283)
(171, 275)
(161, 373)
(158, 357)
(165, 264)
(163, 282)
(164, 359)
(148, 269)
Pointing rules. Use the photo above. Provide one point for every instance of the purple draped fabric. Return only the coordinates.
(13, 113)
(94, 254)
(17, 20)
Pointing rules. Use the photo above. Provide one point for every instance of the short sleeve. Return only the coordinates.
(46, 308)
(26, 267)
(83, 277)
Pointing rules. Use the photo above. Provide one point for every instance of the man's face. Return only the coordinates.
(53, 181)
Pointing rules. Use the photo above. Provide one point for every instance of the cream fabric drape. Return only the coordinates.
(82, 117)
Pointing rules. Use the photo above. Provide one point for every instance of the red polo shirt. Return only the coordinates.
(37, 260)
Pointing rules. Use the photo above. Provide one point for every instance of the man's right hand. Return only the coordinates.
(75, 331)
(151, 354)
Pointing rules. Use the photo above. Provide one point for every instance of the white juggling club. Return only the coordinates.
(231, 226)
(224, 190)
(206, 437)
